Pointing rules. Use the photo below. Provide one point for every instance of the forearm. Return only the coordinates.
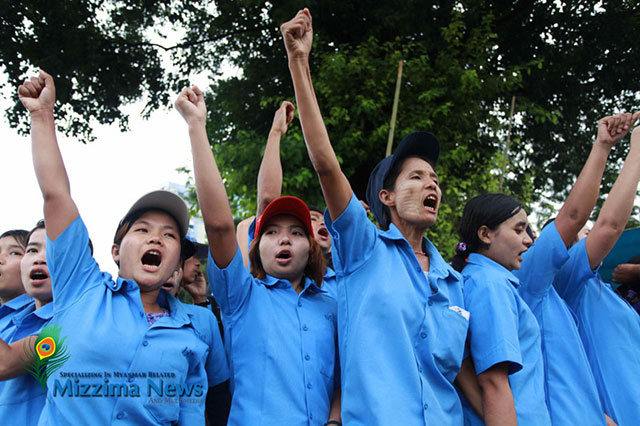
(336, 406)
(59, 208)
(578, 206)
(11, 364)
(335, 186)
(270, 173)
(615, 211)
(212, 196)
(467, 381)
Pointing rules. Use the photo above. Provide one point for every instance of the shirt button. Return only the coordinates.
(426, 406)
(120, 416)
(430, 302)
(419, 269)
(310, 416)
(141, 314)
(308, 385)
(307, 357)
(305, 328)
(145, 343)
(130, 379)
(299, 303)
(423, 335)
(420, 369)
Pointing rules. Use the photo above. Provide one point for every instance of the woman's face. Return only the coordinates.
(11, 254)
(416, 194)
(35, 273)
(149, 253)
(284, 248)
(506, 244)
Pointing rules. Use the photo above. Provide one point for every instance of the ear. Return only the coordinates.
(115, 253)
(485, 234)
(387, 197)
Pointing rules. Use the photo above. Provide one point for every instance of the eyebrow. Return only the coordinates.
(424, 172)
(34, 244)
(521, 224)
(142, 221)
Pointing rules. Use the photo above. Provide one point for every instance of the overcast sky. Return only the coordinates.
(106, 176)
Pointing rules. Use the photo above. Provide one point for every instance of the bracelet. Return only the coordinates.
(204, 304)
(333, 422)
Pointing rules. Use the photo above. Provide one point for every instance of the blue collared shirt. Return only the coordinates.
(281, 346)
(329, 280)
(9, 309)
(401, 333)
(566, 366)
(135, 374)
(22, 398)
(503, 329)
(610, 331)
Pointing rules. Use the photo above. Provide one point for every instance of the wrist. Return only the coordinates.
(299, 60)
(43, 114)
(197, 123)
(200, 300)
(333, 422)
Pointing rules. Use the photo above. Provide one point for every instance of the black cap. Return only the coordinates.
(417, 144)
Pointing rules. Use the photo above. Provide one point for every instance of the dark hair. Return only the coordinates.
(39, 225)
(488, 210)
(389, 184)
(20, 235)
(126, 223)
(315, 268)
(314, 208)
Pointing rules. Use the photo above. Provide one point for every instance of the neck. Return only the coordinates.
(5, 299)
(297, 284)
(41, 303)
(413, 234)
(149, 301)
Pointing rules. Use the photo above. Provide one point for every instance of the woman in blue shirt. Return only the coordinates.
(21, 396)
(504, 337)
(608, 325)
(144, 357)
(280, 324)
(401, 318)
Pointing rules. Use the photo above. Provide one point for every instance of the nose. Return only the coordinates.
(284, 239)
(527, 240)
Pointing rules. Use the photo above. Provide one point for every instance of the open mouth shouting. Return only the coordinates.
(431, 202)
(38, 276)
(323, 233)
(151, 260)
(283, 257)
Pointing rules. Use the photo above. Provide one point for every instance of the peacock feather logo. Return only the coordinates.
(46, 355)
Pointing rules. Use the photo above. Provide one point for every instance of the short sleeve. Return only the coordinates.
(353, 236)
(231, 286)
(71, 265)
(573, 276)
(493, 324)
(540, 265)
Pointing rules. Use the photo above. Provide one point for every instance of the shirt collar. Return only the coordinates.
(484, 262)
(44, 313)
(271, 281)
(437, 266)
(18, 302)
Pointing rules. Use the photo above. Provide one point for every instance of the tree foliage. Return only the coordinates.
(568, 63)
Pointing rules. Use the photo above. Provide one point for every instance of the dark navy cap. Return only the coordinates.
(417, 144)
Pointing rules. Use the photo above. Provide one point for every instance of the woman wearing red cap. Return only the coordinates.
(280, 325)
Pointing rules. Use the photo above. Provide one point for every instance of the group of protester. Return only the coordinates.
(327, 318)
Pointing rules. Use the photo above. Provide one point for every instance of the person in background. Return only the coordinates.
(21, 396)
(12, 295)
(609, 327)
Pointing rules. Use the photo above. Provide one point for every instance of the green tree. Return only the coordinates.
(568, 63)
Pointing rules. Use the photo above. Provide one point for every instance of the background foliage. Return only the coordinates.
(567, 62)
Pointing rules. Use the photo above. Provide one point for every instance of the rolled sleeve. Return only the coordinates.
(575, 273)
(493, 326)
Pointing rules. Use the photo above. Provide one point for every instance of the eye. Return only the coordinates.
(415, 177)
(170, 235)
(32, 250)
(298, 233)
(269, 232)
(143, 230)
(16, 253)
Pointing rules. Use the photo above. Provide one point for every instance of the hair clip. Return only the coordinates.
(461, 247)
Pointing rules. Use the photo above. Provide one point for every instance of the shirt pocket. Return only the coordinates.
(168, 384)
(449, 342)
(326, 350)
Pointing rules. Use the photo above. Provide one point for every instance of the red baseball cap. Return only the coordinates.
(292, 206)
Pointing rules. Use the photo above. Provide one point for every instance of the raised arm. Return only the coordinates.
(38, 95)
(270, 174)
(11, 355)
(298, 36)
(212, 196)
(578, 206)
(616, 209)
